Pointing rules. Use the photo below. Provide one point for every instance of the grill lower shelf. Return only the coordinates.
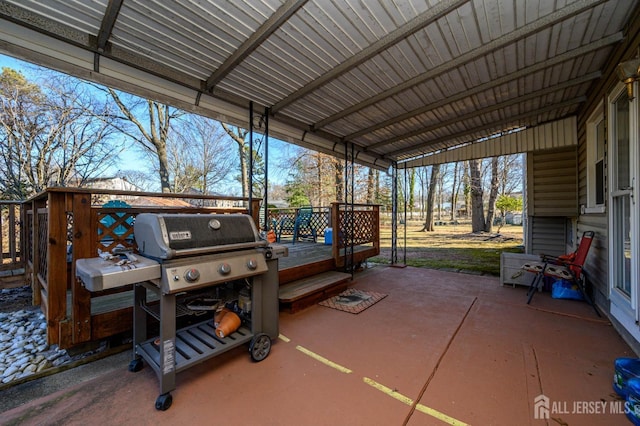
(193, 344)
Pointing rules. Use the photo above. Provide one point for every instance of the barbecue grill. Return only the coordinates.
(193, 264)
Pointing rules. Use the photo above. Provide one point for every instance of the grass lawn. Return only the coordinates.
(451, 247)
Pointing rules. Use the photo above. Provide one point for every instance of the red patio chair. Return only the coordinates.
(569, 267)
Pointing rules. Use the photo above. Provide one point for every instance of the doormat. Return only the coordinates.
(353, 301)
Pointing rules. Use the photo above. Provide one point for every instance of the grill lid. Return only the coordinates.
(165, 236)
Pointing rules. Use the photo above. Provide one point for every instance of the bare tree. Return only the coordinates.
(443, 173)
(371, 182)
(510, 173)
(412, 187)
(423, 184)
(239, 135)
(493, 194)
(148, 123)
(476, 190)
(433, 183)
(466, 185)
(199, 156)
(455, 188)
(338, 173)
(52, 134)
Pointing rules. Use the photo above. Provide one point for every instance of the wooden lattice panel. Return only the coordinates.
(43, 240)
(10, 254)
(364, 224)
(28, 247)
(115, 229)
(282, 221)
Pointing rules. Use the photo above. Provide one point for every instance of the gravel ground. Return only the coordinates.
(24, 354)
(15, 299)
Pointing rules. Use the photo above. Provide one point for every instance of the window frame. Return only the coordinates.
(596, 119)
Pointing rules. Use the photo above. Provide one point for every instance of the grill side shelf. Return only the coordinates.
(195, 343)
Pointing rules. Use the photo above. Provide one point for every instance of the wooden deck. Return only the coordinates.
(305, 253)
(309, 274)
(62, 225)
(306, 259)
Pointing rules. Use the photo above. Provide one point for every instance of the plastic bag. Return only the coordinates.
(563, 289)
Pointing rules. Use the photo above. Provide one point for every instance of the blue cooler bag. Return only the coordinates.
(624, 369)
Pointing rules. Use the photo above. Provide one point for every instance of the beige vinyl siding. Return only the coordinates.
(552, 183)
(546, 235)
(556, 134)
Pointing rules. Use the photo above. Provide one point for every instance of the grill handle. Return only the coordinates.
(217, 249)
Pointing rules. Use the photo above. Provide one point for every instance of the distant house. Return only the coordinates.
(111, 183)
(222, 203)
(115, 183)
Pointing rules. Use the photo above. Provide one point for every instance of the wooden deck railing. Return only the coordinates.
(62, 225)
(45, 235)
(285, 219)
(355, 226)
(11, 260)
(362, 229)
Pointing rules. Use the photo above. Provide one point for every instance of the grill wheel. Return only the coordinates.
(260, 347)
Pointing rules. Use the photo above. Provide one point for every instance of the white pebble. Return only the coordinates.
(10, 371)
(18, 344)
(15, 351)
(8, 378)
(44, 364)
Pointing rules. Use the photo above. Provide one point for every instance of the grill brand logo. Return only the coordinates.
(180, 235)
(541, 407)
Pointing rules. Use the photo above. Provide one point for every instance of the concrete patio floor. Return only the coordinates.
(441, 348)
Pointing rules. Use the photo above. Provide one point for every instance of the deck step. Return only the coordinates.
(305, 292)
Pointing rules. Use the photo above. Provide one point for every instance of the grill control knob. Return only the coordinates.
(224, 268)
(252, 264)
(192, 275)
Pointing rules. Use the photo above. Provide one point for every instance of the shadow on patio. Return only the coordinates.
(441, 348)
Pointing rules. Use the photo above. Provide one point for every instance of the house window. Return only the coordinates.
(596, 140)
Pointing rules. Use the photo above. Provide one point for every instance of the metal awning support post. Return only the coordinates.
(266, 169)
(406, 194)
(250, 177)
(349, 187)
(262, 119)
(394, 213)
(394, 218)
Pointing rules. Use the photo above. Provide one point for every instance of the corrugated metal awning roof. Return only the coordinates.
(398, 80)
